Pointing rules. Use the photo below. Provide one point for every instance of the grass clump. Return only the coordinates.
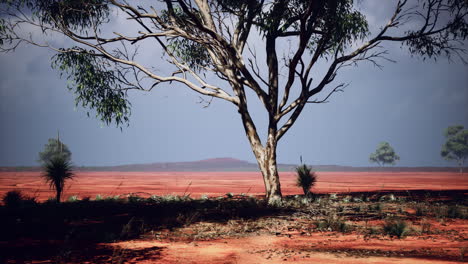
(378, 207)
(16, 199)
(73, 198)
(421, 210)
(333, 223)
(12, 199)
(306, 178)
(396, 228)
(455, 211)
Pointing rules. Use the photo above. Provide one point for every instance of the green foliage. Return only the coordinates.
(396, 228)
(384, 154)
(432, 46)
(54, 147)
(306, 178)
(456, 146)
(191, 53)
(94, 85)
(3, 31)
(343, 24)
(73, 14)
(73, 198)
(56, 171)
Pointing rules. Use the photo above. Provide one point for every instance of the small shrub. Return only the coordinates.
(276, 202)
(421, 210)
(347, 199)
(306, 178)
(333, 196)
(13, 199)
(455, 211)
(133, 198)
(204, 197)
(376, 207)
(389, 198)
(229, 195)
(114, 198)
(371, 232)
(154, 198)
(340, 209)
(333, 223)
(73, 198)
(171, 198)
(396, 228)
(98, 198)
(357, 199)
(51, 200)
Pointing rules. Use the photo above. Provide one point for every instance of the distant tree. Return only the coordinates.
(54, 147)
(456, 146)
(306, 178)
(57, 170)
(384, 154)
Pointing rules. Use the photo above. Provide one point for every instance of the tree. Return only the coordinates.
(384, 155)
(56, 171)
(456, 146)
(306, 178)
(208, 48)
(54, 147)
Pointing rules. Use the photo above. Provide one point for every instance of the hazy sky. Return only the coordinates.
(408, 103)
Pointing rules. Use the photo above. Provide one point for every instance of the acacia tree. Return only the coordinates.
(384, 154)
(208, 48)
(54, 147)
(456, 146)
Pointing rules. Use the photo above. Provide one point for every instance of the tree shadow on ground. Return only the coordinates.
(53, 252)
(74, 231)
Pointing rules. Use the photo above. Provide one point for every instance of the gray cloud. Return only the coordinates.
(408, 103)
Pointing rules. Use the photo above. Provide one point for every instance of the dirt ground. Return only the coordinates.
(353, 230)
(219, 183)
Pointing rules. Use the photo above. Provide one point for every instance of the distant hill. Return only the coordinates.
(230, 164)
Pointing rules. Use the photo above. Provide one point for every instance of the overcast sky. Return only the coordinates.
(408, 104)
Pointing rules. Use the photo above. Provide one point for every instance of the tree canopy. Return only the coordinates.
(456, 146)
(54, 148)
(384, 154)
(286, 52)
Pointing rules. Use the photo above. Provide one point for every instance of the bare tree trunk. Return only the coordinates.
(266, 156)
(269, 170)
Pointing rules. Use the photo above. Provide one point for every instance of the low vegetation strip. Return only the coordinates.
(104, 228)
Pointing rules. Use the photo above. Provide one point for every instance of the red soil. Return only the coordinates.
(317, 248)
(220, 183)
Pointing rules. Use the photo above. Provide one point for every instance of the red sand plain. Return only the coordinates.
(220, 183)
(443, 246)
